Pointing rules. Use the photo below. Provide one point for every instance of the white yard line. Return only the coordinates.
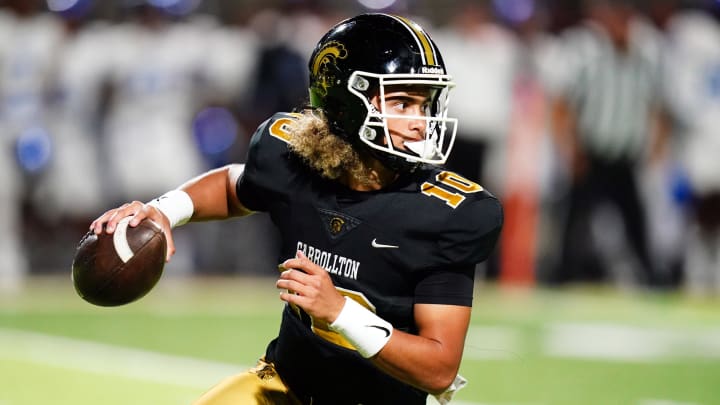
(101, 358)
(598, 341)
(612, 342)
(107, 359)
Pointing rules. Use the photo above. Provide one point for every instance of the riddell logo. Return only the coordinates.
(434, 70)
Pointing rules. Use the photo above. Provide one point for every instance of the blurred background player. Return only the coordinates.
(71, 186)
(155, 88)
(376, 293)
(484, 57)
(693, 80)
(29, 44)
(164, 70)
(608, 118)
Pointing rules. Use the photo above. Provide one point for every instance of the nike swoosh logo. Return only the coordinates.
(380, 245)
(382, 328)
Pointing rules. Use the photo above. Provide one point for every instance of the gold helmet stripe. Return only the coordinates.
(428, 50)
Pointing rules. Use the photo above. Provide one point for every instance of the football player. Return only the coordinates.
(379, 242)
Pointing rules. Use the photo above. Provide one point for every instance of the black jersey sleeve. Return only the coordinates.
(469, 236)
(446, 286)
(267, 168)
(471, 233)
(461, 224)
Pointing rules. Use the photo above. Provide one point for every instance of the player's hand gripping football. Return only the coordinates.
(139, 211)
(310, 288)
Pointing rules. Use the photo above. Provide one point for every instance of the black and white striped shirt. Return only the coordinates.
(613, 92)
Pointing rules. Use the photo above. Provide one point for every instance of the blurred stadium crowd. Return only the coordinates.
(596, 122)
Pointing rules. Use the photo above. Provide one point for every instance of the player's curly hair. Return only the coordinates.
(331, 156)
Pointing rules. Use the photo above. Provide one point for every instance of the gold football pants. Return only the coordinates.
(260, 385)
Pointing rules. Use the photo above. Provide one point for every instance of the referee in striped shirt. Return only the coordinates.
(604, 119)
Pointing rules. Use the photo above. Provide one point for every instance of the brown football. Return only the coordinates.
(119, 268)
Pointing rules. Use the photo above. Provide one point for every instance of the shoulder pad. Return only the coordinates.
(268, 167)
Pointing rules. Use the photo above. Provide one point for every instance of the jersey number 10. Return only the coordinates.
(453, 181)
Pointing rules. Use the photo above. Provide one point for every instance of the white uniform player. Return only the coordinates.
(694, 80)
(27, 52)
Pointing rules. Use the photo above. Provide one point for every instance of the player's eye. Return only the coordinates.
(398, 105)
(401, 106)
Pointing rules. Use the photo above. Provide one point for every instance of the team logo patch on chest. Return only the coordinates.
(337, 224)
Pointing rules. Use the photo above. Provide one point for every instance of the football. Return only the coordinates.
(119, 268)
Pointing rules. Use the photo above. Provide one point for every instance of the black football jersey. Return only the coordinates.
(416, 241)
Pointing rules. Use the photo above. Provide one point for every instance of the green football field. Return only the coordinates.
(573, 346)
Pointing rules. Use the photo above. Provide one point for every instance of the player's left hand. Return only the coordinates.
(311, 288)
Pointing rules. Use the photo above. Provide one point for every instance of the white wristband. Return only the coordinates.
(367, 332)
(176, 205)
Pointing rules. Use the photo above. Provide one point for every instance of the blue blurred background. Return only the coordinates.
(596, 122)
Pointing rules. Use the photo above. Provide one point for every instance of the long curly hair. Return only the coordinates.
(328, 154)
